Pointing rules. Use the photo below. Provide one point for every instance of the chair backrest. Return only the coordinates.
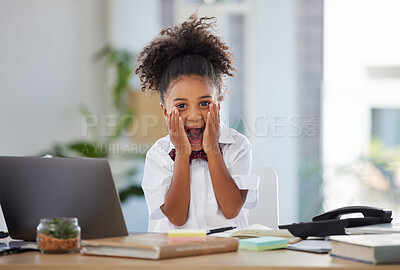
(267, 210)
(151, 225)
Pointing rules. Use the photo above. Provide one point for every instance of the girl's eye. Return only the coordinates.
(181, 106)
(204, 103)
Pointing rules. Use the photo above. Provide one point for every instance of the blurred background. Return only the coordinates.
(317, 92)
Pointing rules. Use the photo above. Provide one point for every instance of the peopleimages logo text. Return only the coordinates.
(273, 125)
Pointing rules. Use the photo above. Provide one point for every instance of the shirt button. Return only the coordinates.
(197, 197)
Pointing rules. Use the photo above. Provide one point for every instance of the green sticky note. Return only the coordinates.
(263, 243)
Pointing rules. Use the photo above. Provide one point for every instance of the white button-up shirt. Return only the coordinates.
(204, 212)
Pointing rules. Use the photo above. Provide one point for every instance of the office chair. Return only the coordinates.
(267, 210)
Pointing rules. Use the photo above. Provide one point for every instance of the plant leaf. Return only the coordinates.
(89, 149)
(132, 190)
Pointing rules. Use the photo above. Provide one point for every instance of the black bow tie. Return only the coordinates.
(194, 155)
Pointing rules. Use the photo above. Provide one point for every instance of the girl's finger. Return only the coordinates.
(212, 113)
(176, 120)
(181, 127)
(217, 115)
(208, 122)
(173, 121)
(169, 122)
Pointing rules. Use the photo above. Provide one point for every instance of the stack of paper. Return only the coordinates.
(185, 235)
(375, 229)
(263, 243)
(257, 230)
(311, 245)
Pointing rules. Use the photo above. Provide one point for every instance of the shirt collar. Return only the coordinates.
(224, 138)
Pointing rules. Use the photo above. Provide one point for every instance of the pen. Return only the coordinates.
(8, 251)
(14, 250)
(222, 229)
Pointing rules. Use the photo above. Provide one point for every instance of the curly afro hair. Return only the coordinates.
(187, 49)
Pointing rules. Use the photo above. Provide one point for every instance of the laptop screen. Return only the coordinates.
(32, 188)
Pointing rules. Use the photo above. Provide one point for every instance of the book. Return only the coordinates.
(369, 248)
(263, 243)
(374, 229)
(257, 230)
(155, 246)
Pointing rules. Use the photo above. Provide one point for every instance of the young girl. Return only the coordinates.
(199, 176)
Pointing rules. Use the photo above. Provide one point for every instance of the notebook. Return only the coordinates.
(156, 246)
(369, 248)
(33, 188)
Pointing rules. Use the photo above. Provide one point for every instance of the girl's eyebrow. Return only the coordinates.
(179, 99)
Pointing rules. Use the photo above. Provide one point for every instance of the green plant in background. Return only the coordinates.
(387, 160)
(380, 159)
(122, 62)
(60, 229)
(381, 155)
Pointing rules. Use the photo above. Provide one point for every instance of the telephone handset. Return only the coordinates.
(330, 223)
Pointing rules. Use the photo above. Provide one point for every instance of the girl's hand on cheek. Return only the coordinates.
(178, 134)
(211, 132)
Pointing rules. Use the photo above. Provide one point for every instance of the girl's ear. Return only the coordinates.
(165, 113)
(219, 106)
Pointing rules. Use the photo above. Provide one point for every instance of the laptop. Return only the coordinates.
(32, 188)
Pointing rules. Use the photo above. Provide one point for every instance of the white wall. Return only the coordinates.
(133, 23)
(47, 71)
(272, 99)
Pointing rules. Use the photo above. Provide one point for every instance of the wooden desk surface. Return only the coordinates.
(234, 260)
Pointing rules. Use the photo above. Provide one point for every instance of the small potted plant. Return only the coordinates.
(58, 235)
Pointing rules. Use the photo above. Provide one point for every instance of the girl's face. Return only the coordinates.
(191, 95)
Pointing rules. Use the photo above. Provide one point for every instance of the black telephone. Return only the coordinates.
(330, 223)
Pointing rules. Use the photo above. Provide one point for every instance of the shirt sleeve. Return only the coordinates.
(240, 168)
(157, 178)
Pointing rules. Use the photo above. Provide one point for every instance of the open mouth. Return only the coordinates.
(195, 135)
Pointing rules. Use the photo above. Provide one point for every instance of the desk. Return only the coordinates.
(284, 259)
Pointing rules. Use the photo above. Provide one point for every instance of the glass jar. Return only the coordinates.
(58, 235)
